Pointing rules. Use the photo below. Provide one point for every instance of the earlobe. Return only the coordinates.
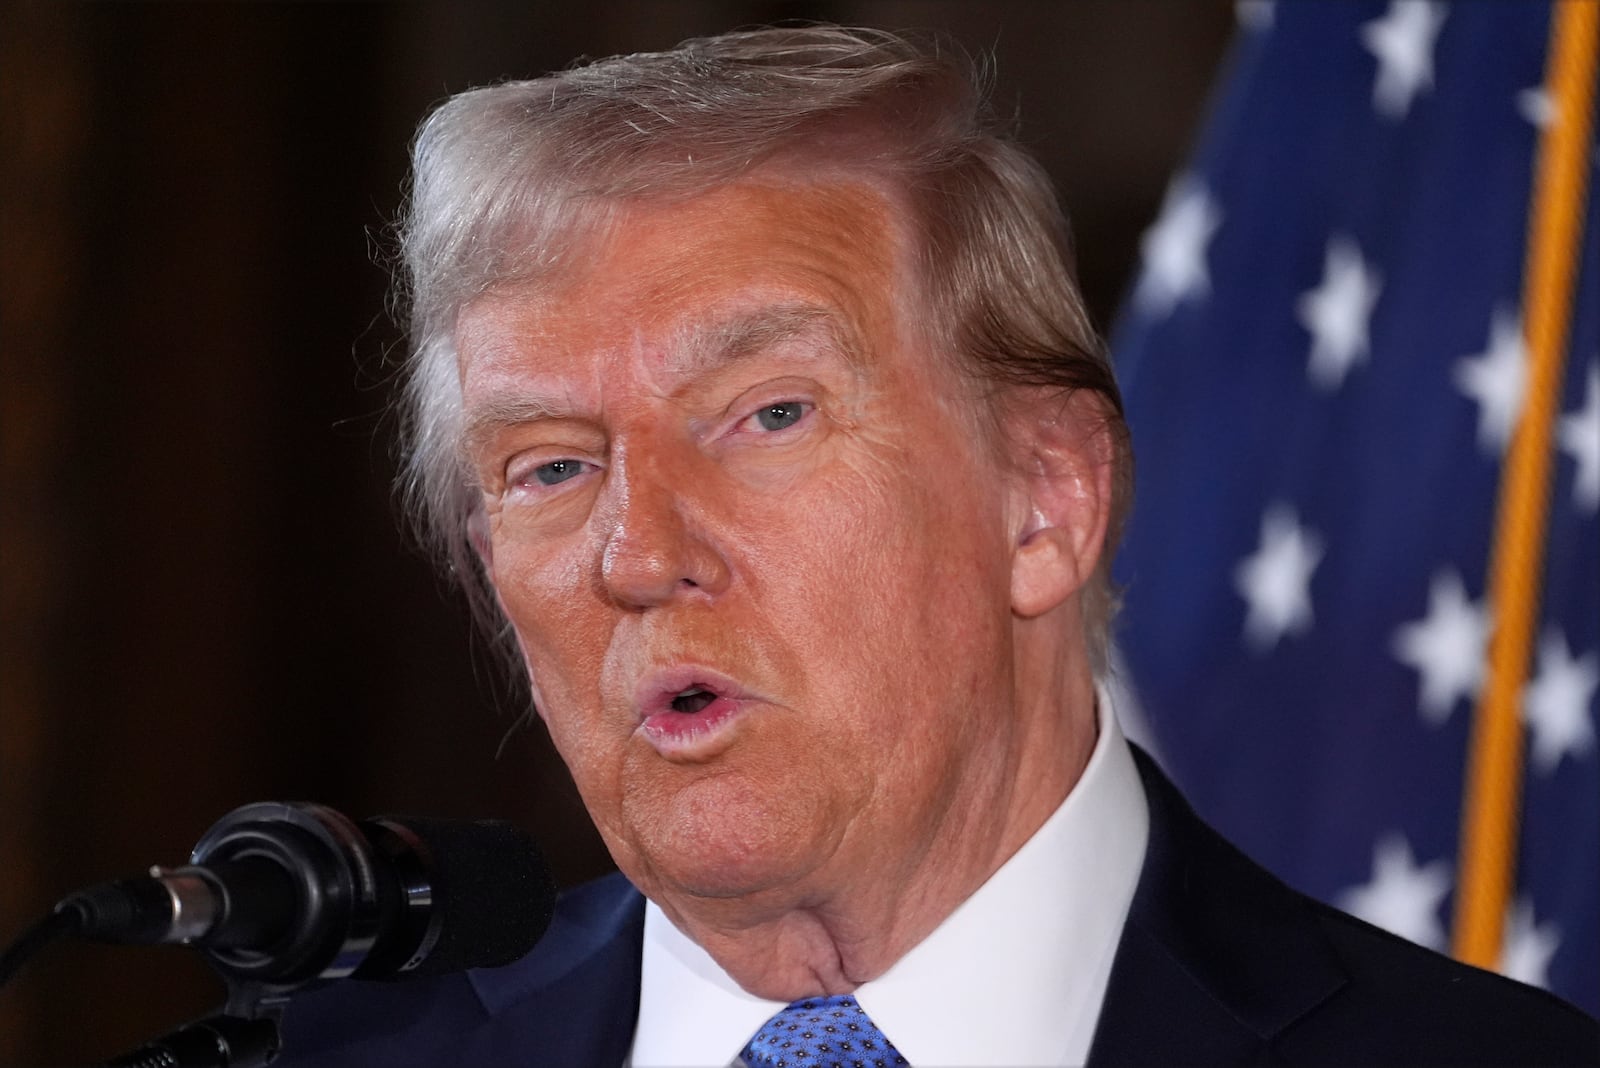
(1066, 473)
(1042, 572)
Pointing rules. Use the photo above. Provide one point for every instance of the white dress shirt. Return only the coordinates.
(1015, 976)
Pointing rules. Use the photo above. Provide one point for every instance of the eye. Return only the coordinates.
(780, 416)
(557, 471)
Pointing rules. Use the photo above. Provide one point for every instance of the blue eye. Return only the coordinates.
(557, 471)
(780, 416)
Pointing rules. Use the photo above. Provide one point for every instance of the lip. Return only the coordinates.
(689, 735)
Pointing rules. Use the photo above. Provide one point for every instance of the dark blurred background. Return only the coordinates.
(206, 594)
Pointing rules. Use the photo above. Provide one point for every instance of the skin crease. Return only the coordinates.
(898, 602)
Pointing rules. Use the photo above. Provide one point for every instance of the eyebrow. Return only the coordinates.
(497, 413)
(708, 346)
(695, 349)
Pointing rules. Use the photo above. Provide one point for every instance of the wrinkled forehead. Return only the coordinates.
(718, 270)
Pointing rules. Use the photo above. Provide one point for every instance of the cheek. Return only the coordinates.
(915, 537)
(546, 598)
(897, 582)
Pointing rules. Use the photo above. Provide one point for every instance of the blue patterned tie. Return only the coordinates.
(821, 1033)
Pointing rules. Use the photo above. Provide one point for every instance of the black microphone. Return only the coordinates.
(284, 894)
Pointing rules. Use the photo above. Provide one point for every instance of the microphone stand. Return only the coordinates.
(243, 1035)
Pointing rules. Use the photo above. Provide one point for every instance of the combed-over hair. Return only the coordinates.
(509, 178)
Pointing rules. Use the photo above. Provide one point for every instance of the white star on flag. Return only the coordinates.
(1403, 896)
(1537, 107)
(1446, 647)
(1402, 40)
(1254, 14)
(1275, 580)
(1175, 249)
(1497, 379)
(1556, 704)
(1338, 311)
(1580, 438)
(1528, 947)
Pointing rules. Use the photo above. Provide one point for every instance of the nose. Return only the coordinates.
(656, 547)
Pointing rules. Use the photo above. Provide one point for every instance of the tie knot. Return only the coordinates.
(829, 1032)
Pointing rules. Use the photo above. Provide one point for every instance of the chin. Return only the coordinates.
(722, 839)
(717, 879)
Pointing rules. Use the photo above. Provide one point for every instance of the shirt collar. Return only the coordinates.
(1014, 976)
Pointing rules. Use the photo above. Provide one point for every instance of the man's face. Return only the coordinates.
(755, 555)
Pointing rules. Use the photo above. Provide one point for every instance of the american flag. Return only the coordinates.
(1324, 360)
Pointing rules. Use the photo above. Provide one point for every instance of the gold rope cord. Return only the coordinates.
(1491, 803)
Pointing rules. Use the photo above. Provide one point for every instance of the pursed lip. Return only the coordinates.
(689, 735)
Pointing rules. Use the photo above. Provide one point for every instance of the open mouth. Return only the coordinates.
(693, 700)
(686, 711)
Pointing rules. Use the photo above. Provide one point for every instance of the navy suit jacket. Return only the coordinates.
(1219, 964)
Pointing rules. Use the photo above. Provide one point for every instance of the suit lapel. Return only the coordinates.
(1217, 956)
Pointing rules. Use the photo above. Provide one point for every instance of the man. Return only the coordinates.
(752, 385)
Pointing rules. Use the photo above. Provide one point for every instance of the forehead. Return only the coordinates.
(670, 283)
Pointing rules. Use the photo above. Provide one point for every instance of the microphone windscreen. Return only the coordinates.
(493, 895)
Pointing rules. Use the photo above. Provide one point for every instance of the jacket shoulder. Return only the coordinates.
(1404, 1004)
(1246, 969)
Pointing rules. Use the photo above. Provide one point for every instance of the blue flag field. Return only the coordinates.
(1326, 360)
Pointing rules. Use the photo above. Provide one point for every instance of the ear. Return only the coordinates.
(1063, 455)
